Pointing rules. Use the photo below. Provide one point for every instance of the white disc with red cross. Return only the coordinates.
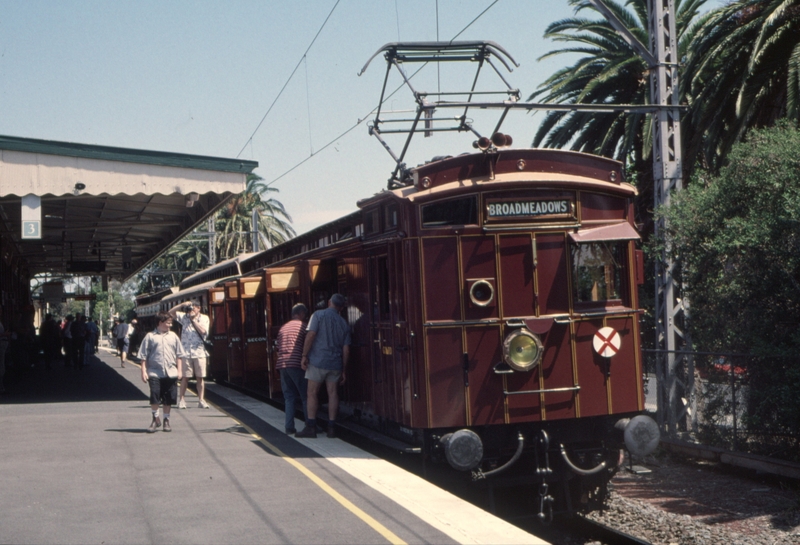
(606, 342)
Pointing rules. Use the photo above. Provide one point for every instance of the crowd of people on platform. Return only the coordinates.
(310, 353)
(71, 340)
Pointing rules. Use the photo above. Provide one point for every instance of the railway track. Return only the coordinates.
(597, 532)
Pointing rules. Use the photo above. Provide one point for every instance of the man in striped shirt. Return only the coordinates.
(290, 353)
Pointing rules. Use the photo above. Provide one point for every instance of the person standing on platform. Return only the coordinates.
(50, 334)
(290, 353)
(161, 352)
(113, 335)
(194, 328)
(67, 332)
(325, 353)
(91, 338)
(134, 337)
(78, 330)
(123, 341)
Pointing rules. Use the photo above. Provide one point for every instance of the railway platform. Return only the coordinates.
(77, 466)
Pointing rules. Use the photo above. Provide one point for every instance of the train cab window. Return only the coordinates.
(597, 271)
(391, 217)
(372, 224)
(462, 211)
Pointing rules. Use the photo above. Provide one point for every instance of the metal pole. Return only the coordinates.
(670, 308)
(254, 232)
(212, 242)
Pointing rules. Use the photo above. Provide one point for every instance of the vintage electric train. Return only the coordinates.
(493, 307)
(493, 303)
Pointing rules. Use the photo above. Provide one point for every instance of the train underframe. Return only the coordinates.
(566, 465)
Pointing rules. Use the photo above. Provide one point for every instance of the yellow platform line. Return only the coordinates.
(390, 536)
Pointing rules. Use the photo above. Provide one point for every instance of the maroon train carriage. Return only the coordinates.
(494, 309)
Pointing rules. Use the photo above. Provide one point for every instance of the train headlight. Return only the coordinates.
(522, 350)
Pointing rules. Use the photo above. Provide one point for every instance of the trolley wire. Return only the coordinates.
(362, 119)
(302, 58)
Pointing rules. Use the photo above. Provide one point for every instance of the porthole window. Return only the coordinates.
(481, 293)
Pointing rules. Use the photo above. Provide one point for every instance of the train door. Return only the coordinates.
(254, 334)
(387, 331)
(233, 316)
(218, 361)
(282, 293)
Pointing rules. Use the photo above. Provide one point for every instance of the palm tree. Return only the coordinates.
(743, 71)
(234, 221)
(609, 72)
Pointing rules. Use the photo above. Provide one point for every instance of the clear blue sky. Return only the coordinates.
(198, 76)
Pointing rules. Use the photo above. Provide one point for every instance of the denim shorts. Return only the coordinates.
(163, 390)
(318, 374)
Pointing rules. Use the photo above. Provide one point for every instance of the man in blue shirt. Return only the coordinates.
(325, 353)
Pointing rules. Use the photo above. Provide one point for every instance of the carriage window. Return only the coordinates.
(255, 323)
(597, 269)
(454, 212)
(235, 318)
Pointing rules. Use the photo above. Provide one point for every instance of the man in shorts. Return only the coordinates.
(325, 353)
(161, 351)
(194, 328)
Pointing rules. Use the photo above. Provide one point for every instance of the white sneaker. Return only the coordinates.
(182, 404)
(202, 405)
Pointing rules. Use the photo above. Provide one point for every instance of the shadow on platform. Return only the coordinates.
(100, 380)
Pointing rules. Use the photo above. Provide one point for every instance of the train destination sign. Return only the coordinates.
(526, 208)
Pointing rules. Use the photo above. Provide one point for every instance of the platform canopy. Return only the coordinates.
(104, 210)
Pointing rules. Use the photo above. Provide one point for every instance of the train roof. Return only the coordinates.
(471, 171)
(217, 270)
(146, 298)
(196, 289)
(463, 173)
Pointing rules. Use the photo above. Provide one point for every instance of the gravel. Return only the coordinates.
(699, 503)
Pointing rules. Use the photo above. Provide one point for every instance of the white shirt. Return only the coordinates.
(190, 338)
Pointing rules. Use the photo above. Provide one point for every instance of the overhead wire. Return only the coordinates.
(302, 58)
(361, 120)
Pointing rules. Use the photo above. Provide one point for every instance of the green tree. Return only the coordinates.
(742, 71)
(737, 236)
(233, 225)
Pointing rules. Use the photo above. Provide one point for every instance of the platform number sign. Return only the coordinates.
(31, 216)
(31, 229)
